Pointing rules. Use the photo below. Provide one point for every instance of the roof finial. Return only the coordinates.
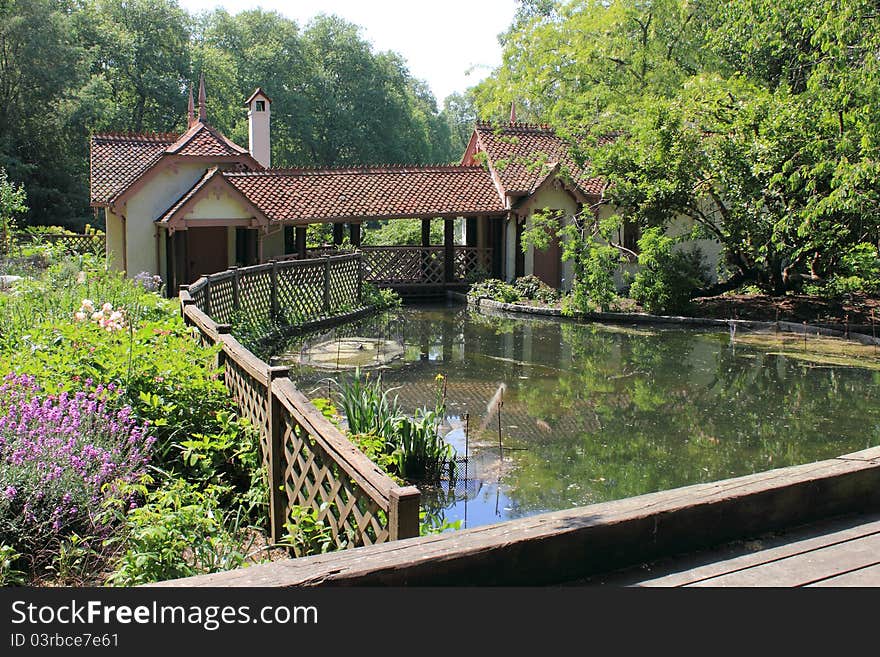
(203, 110)
(513, 112)
(190, 108)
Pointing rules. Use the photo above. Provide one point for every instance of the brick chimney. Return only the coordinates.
(259, 142)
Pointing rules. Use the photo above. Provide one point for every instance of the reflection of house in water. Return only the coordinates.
(495, 359)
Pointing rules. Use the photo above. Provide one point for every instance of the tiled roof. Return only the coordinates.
(118, 159)
(522, 154)
(204, 141)
(369, 192)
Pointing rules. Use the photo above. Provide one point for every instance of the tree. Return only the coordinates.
(12, 202)
(757, 120)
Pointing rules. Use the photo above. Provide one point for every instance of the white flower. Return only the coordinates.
(88, 306)
(116, 316)
(107, 307)
(97, 316)
(79, 316)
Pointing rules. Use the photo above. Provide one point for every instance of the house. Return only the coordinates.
(181, 206)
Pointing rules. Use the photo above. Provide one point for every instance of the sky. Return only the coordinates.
(450, 44)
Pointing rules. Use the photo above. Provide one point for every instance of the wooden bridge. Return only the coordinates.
(418, 270)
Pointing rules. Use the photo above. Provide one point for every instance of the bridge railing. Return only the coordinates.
(306, 459)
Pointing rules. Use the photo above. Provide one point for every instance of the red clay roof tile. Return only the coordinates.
(369, 192)
(118, 159)
(523, 153)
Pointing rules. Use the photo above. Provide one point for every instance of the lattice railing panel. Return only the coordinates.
(222, 298)
(300, 291)
(471, 262)
(197, 292)
(255, 293)
(344, 281)
(404, 265)
(312, 479)
(252, 397)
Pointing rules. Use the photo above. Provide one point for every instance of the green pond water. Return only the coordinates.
(591, 412)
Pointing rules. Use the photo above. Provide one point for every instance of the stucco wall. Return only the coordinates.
(146, 205)
(115, 240)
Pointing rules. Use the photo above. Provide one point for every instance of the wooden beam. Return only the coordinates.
(566, 546)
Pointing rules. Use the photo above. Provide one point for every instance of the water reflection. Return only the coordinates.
(554, 414)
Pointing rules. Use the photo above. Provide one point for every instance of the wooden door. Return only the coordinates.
(548, 264)
(207, 251)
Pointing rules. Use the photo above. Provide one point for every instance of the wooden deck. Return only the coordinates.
(581, 545)
(842, 552)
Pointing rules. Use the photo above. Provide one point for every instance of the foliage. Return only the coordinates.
(305, 534)
(859, 272)
(533, 288)
(593, 288)
(755, 120)
(10, 575)
(402, 232)
(12, 203)
(156, 370)
(494, 289)
(63, 456)
(182, 530)
(667, 277)
(382, 298)
(71, 69)
(367, 408)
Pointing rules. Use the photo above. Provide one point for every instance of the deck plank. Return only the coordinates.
(788, 545)
(868, 576)
(806, 567)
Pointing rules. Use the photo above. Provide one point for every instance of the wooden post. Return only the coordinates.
(277, 465)
(426, 232)
(354, 231)
(470, 231)
(301, 242)
(327, 287)
(236, 279)
(449, 250)
(403, 514)
(338, 229)
(207, 308)
(273, 293)
(360, 280)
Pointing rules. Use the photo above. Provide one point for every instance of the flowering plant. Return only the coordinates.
(107, 318)
(62, 459)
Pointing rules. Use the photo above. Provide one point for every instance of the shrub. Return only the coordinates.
(182, 530)
(533, 288)
(382, 298)
(593, 288)
(667, 278)
(63, 457)
(494, 289)
(859, 271)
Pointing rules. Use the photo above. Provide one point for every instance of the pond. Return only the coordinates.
(554, 414)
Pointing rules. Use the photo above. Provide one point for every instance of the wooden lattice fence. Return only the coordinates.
(71, 243)
(307, 461)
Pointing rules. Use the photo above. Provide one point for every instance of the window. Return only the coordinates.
(260, 106)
